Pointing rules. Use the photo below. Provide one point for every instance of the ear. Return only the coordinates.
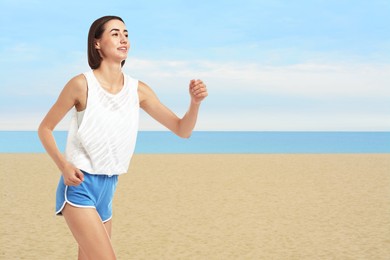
(97, 44)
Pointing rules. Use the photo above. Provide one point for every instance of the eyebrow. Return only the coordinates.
(117, 30)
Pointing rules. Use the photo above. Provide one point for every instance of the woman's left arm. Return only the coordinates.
(180, 126)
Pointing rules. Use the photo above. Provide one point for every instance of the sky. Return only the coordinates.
(268, 65)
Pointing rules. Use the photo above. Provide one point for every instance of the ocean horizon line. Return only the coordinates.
(225, 142)
(257, 131)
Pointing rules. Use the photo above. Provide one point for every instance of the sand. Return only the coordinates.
(212, 207)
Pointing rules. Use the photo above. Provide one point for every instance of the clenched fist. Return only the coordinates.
(198, 91)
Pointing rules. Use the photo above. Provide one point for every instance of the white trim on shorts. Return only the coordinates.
(104, 221)
(72, 204)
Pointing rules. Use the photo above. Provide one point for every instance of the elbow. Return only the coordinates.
(43, 129)
(40, 129)
(184, 135)
(182, 132)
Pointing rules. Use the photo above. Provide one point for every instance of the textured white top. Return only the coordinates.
(80, 115)
(104, 141)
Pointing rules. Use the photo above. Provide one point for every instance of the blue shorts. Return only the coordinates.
(96, 191)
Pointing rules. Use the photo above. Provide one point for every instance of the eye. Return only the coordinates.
(114, 34)
(126, 35)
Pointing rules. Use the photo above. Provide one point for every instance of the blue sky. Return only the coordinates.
(269, 65)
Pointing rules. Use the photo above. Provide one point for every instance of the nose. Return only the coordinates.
(123, 39)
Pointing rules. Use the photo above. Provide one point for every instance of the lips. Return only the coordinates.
(122, 49)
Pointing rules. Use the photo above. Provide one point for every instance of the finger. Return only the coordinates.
(198, 82)
(198, 86)
(200, 95)
(199, 90)
(72, 182)
(76, 181)
(192, 83)
(79, 175)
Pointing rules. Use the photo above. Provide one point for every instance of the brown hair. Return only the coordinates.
(95, 32)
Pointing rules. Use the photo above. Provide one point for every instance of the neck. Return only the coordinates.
(109, 70)
(110, 76)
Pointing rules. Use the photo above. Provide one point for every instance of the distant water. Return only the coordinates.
(224, 142)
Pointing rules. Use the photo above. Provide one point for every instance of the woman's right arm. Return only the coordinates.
(70, 96)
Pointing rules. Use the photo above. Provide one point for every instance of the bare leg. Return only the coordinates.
(108, 226)
(82, 256)
(89, 232)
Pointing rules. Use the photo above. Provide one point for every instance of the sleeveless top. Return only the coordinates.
(105, 140)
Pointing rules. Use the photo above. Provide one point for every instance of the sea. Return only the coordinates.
(223, 142)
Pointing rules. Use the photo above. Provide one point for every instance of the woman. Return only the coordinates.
(102, 134)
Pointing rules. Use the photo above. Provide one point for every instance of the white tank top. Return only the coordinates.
(104, 141)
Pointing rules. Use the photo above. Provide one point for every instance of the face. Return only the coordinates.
(114, 44)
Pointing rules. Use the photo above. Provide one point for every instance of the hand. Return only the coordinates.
(198, 91)
(72, 175)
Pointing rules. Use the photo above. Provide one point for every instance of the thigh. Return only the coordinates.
(89, 232)
(108, 226)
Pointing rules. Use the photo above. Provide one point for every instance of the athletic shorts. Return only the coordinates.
(96, 191)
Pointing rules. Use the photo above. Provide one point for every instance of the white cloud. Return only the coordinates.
(238, 121)
(321, 84)
(28, 121)
(307, 79)
(249, 96)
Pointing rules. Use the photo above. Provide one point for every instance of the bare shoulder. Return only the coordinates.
(143, 87)
(145, 92)
(77, 84)
(76, 91)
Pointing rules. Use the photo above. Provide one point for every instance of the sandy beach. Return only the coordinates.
(213, 207)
